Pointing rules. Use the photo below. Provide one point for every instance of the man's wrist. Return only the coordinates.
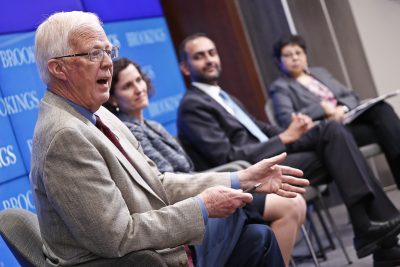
(285, 138)
(235, 182)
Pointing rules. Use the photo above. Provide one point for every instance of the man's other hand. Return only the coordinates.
(222, 201)
(299, 125)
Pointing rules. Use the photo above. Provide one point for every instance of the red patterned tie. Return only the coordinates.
(189, 255)
(110, 135)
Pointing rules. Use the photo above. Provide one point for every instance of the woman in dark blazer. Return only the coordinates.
(316, 93)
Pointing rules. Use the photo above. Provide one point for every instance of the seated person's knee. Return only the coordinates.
(295, 208)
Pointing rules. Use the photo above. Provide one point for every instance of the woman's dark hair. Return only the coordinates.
(118, 66)
(288, 40)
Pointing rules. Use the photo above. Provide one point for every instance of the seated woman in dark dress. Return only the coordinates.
(129, 96)
(316, 93)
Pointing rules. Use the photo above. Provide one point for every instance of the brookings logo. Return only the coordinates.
(7, 156)
(165, 105)
(14, 104)
(17, 56)
(22, 200)
(146, 37)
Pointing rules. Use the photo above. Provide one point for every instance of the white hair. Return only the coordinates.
(53, 36)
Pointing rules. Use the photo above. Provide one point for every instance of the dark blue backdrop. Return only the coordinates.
(137, 27)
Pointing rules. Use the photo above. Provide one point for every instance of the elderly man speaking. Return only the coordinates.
(99, 198)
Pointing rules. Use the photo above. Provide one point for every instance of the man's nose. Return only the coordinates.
(209, 58)
(107, 61)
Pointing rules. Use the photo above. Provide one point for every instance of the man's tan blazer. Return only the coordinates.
(92, 203)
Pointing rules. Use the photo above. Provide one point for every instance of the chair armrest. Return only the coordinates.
(371, 150)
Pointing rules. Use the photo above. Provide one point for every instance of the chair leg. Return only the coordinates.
(317, 239)
(324, 227)
(292, 262)
(334, 227)
(310, 246)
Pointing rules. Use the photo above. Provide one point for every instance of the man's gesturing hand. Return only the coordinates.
(222, 201)
(281, 180)
(299, 125)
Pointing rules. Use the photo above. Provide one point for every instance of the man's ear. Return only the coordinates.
(57, 69)
(184, 68)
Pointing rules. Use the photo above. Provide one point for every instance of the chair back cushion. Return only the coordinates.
(20, 231)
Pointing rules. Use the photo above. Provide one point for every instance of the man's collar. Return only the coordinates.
(209, 89)
(83, 111)
(213, 91)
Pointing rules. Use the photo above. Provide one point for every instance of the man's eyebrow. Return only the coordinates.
(204, 51)
(199, 52)
(98, 46)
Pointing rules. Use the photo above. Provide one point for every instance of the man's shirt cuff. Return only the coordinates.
(235, 184)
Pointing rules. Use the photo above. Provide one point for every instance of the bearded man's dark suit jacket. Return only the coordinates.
(210, 133)
(379, 124)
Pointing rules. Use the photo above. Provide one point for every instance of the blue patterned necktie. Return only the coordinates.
(243, 118)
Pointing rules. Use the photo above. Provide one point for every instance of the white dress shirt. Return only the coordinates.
(213, 92)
